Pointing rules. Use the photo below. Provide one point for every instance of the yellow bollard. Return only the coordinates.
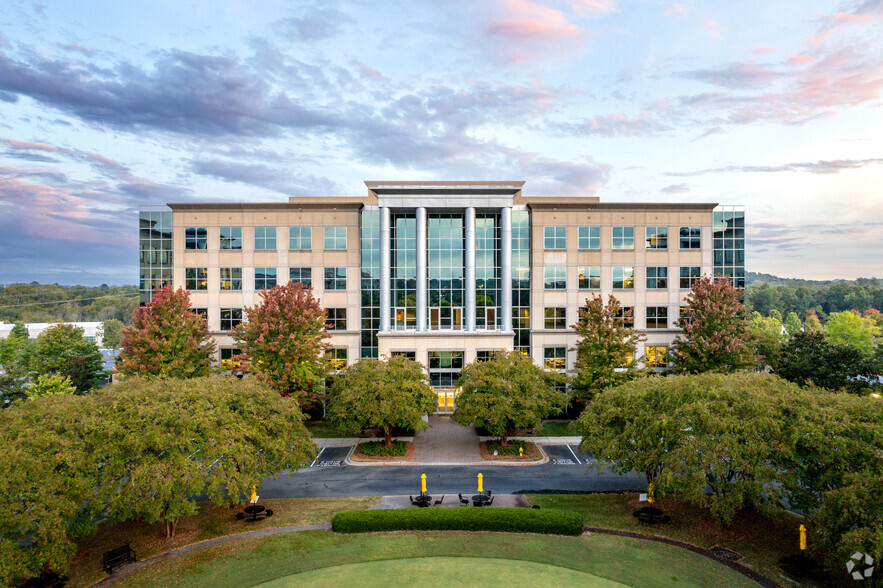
(520, 451)
(802, 538)
(254, 493)
(650, 498)
(480, 489)
(423, 483)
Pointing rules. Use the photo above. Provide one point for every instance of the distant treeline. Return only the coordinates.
(46, 303)
(766, 293)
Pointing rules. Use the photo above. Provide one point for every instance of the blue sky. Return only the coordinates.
(106, 106)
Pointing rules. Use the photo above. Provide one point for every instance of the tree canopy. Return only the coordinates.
(112, 333)
(381, 394)
(167, 339)
(808, 358)
(848, 328)
(62, 349)
(507, 392)
(284, 338)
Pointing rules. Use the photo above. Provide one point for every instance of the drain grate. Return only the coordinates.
(723, 554)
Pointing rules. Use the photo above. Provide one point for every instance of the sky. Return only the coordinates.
(108, 106)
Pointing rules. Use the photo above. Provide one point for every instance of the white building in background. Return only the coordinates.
(91, 331)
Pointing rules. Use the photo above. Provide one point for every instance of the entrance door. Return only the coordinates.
(447, 398)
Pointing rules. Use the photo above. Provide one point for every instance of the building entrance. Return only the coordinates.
(447, 398)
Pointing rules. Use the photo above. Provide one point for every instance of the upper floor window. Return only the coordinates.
(657, 238)
(264, 238)
(623, 277)
(657, 277)
(336, 319)
(691, 237)
(264, 277)
(195, 238)
(335, 238)
(230, 317)
(300, 238)
(555, 277)
(304, 275)
(555, 237)
(623, 237)
(231, 278)
(555, 317)
(555, 358)
(689, 276)
(335, 278)
(657, 317)
(589, 278)
(589, 238)
(656, 356)
(625, 316)
(196, 278)
(336, 358)
(231, 237)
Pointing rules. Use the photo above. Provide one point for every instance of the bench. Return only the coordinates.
(116, 557)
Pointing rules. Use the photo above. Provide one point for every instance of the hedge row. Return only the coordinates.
(511, 520)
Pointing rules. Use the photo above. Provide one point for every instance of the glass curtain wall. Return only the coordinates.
(521, 279)
(370, 243)
(404, 270)
(487, 271)
(729, 243)
(155, 240)
(444, 266)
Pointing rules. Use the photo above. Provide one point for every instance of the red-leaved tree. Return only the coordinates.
(284, 339)
(167, 339)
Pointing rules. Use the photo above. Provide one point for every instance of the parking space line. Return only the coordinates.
(321, 449)
(574, 455)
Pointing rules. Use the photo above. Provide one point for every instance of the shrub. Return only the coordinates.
(377, 448)
(511, 449)
(509, 520)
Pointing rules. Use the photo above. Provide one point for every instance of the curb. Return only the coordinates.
(545, 459)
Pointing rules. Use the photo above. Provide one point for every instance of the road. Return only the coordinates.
(566, 471)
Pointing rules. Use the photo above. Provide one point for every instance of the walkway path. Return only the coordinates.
(446, 442)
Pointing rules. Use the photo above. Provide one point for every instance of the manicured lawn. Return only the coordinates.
(557, 429)
(761, 540)
(211, 521)
(619, 559)
(324, 430)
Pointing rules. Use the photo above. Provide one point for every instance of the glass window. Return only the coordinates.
(336, 319)
(336, 359)
(230, 317)
(656, 356)
(196, 278)
(555, 358)
(231, 278)
(589, 237)
(335, 278)
(657, 238)
(555, 237)
(691, 238)
(555, 277)
(264, 238)
(195, 238)
(335, 238)
(200, 311)
(264, 277)
(229, 357)
(412, 355)
(589, 278)
(682, 313)
(304, 275)
(300, 238)
(484, 355)
(657, 277)
(625, 316)
(689, 276)
(231, 237)
(555, 317)
(657, 317)
(623, 237)
(623, 277)
(446, 360)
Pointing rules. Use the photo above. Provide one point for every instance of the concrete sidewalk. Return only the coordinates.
(451, 501)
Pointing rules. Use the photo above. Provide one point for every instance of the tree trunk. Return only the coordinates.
(504, 439)
(387, 437)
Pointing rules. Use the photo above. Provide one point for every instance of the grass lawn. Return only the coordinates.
(761, 540)
(209, 522)
(618, 559)
(323, 430)
(557, 429)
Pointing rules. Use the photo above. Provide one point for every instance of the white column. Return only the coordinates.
(470, 269)
(421, 269)
(506, 268)
(385, 262)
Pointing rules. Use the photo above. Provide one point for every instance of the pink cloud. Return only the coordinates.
(592, 7)
(763, 50)
(677, 10)
(526, 20)
(798, 60)
(714, 30)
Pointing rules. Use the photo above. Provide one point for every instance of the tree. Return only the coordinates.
(766, 337)
(51, 385)
(167, 339)
(164, 443)
(714, 330)
(847, 328)
(792, 323)
(62, 349)
(633, 426)
(606, 348)
(112, 333)
(381, 394)
(808, 358)
(813, 324)
(284, 339)
(505, 393)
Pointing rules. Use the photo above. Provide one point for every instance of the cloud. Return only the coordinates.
(818, 167)
(735, 76)
(714, 30)
(272, 178)
(676, 189)
(526, 20)
(617, 125)
(677, 10)
(593, 8)
(763, 50)
(318, 24)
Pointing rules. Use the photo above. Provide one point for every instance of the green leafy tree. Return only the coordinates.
(808, 358)
(634, 426)
(792, 323)
(715, 333)
(167, 339)
(381, 394)
(284, 339)
(766, 337)
(606, 348)
(847, 328)
(508, 392)
(62, 349)
(112, 333)
(813, 324)
(162, 443)
(50, 385)
(776, 316)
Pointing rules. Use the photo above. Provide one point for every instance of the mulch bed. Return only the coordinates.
(532, 453)
(359, 456)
